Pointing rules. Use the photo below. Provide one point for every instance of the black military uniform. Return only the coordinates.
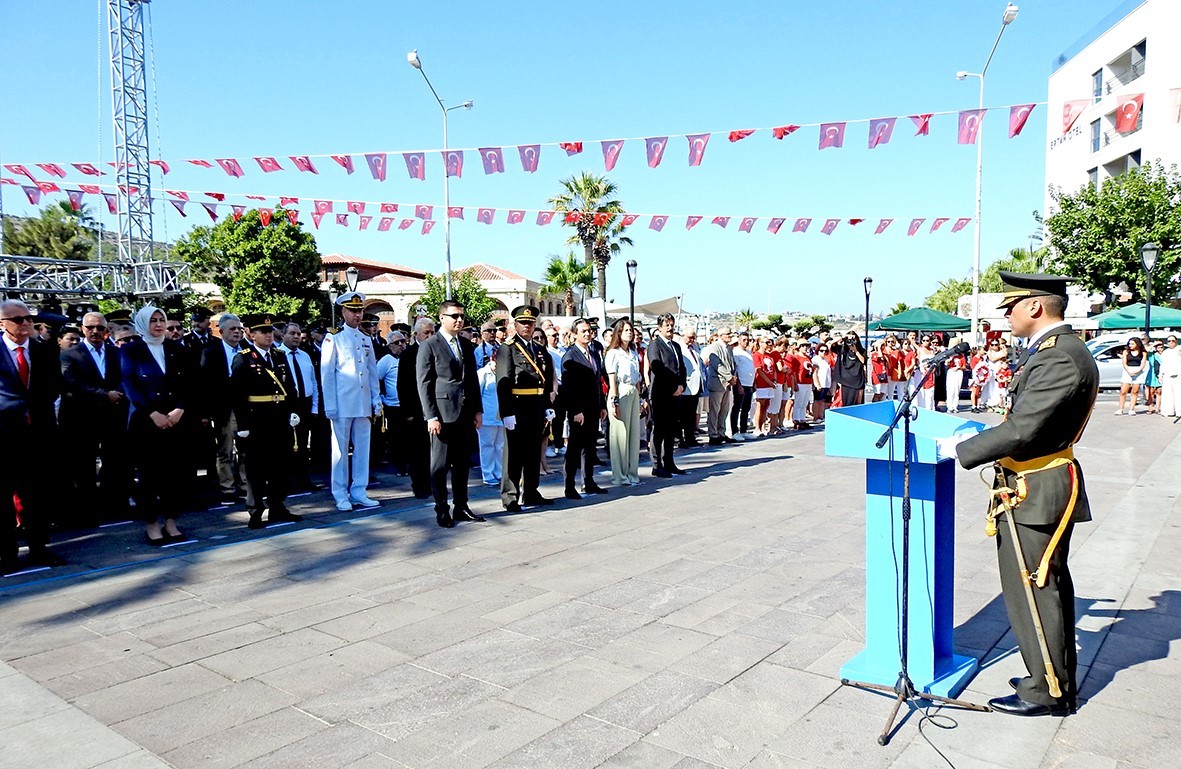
(1040, 484)
(260, 386)
(524, 380)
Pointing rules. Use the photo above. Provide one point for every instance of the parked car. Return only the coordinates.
(1108, 351)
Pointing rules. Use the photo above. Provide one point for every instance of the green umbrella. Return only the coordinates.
(924, 319)
(1132, 316)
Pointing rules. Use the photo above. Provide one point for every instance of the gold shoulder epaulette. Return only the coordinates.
(244, 351)
(1048, 342)
(334, 331)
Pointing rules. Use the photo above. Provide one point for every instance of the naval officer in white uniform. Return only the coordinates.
(351, 395)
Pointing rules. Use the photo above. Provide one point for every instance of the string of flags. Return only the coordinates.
(365, 212)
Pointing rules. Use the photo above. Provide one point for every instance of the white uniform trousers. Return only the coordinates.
(491, 452)
(955, 380)
(799, 407)
(345, 431)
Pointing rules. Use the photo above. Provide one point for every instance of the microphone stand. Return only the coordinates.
(903, 688)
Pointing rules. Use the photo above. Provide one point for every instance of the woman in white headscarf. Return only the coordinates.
(155, 380)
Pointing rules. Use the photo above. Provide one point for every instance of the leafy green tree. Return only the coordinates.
(771, 322)
(806, 325)
(57, 233)
(564, 276)
(947, 297)
(745, 318)
(1097, 232)
(465, 289)
(259, 268)
(598, 228)
(898, 308)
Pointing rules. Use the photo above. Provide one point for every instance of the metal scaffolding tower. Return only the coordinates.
(129, 91)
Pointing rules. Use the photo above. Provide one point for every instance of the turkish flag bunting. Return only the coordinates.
(970, 120)
(629, 219)
(485, 215)
(882, 225)
(530, 155)
(53, 169)
(922, 124)
(389, 208)
(75, 199)
(880, 130)
(48, 187)
(691, 222)
(87, 168)
(747, 224)
(342, 220)
(405, 224)
(655, 147)
(200, 163)
(939, 222)
(355, 207)
(238, 211)
(1128, 112)
(268, 164)
(784, 130)
(602, 219)
(218, 196)
(960, 223)
(455, 212)
(697, 143)
(423, 211)
(304, 163)
(293, 216)
(89, 189)
(178, 194)
(255, 197)
(8, 180)
(740, 134)
(914, 226)
(415, 165)
(545, 217)
(317, 217)
(264, 216)
(801, 225)
(775, 223)
(18, 169)
(231, 166)
(829, 226)
(832, 135)
(363, 222)
(383, 225)
(855, 222)
(322, 206)
(345, 162)
(493, 158)
(721, 221)
(179, 205)
(376, 161)
(611, 150)
(1071, 111)
(211, 209)
(1018, 114)
(657, 223)
(572, 217)
(288, 201)
(572, 148)
(516, 216)
(162, 165)
(112, 203)
(427, 226)
(453, 159)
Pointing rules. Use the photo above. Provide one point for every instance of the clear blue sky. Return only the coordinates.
(239, 79)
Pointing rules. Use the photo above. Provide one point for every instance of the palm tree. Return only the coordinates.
(744, 318)
(899, 308)
(563, 276)
(597, 228)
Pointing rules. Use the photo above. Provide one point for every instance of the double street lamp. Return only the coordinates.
(413, 60)
(1148, 254)
(1006, 19)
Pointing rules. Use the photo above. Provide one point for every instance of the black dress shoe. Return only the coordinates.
(445, 520)
(1014, 681)
(9, 566)
(283, 515)
(538, 500)
(464, 514)
(593, 489)
(1015, 706)
(512, 507)
(660, 472)
(41, 556)
(572, 494)
(677, 471)
(256, 521)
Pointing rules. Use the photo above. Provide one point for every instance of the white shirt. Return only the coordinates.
(230, 352)
(821, 372)
(452, 345)
(99, 356)
(387, 372)
(693, 368)
(11, 345)
(744, 367)
(307, 372)
(1039, 336)
(625, 365)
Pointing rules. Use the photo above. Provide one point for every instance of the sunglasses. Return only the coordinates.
(454, 315)
(21, 319)
(95, 328)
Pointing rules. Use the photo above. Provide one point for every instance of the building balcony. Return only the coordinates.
(1120, 78)
(1113, 135)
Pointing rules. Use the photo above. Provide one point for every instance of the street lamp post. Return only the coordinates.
(1006, 19)
(868, 285)
(631, 282)
(413, 60)
(1148, 254)
(350, 277)
(332, 303)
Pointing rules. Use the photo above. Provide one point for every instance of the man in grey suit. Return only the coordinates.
(719, 382)
(451, 405)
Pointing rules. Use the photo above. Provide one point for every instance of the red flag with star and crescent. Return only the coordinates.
(655, 148)
(697, 144)
(87, 168)
(775, 224)
(238, 211)
(721, 221)
(303, 163)
(880, 131)
(453, 160)
(657, 222)
(1128, 112)
(922, 124)
(545, 217)
(1018, 114)
(427, 226)
(345, 162)
(322, 206)
(914, 226)
(882, 225)
(516, 216)
(784, 130)
(286, 201)
(389, 208)
(405, 224)
(355, 207)
(740, 134)
(485, 215)
(747, 224)
(342, 220)
(493, 158)
(231, 167)
(377, 165)
(268, 164)
(829, 226)
(53, 169)
(572, 148)
(455, 212)
(691, 222)
(611, 150)
(384, 224)
(960, 223)
(939, 222)
(423, 211)
(530, 156)
(801, 225)
(969, 125)
(832, 135)
(415, 165)
(1071, 111)
(363, 222)
(75, 197)
(211, 209)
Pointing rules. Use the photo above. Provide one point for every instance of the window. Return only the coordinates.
(1095, 136)
(1093, 176)
(1097, 85)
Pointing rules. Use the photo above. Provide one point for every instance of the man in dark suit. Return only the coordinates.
(1038, 491)
(200, 336)
(93, 419)
(450, 395)
(666, 370)
(418, 445)
(585, 407)
(30, 380)
(217, 405)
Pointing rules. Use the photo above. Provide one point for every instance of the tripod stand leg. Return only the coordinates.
(884, 737)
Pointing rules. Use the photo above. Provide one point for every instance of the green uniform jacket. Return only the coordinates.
(514, 371)
(249, 376)
(1052, 393)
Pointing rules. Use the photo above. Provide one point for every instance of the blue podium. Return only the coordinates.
(933, 666)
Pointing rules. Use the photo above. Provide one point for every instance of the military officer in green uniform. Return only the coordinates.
(524, 379)
(262, 393)
(1038, 494)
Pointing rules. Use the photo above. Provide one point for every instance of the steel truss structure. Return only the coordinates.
(22, 277)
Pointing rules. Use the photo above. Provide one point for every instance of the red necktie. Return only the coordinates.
(22, 366)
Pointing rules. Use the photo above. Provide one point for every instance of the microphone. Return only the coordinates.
(963, 348)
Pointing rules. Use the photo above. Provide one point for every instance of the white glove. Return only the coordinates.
(550, 414)
(243, 433)
(293, 420)
(510, 423)
(948, 448)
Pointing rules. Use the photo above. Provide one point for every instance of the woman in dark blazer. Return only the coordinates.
(156, 373)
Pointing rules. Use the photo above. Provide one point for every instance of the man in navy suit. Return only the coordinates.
(93, 419)
(666, 370)
(582, 372)
(217, 409)
(30, 380)
(451, 405)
